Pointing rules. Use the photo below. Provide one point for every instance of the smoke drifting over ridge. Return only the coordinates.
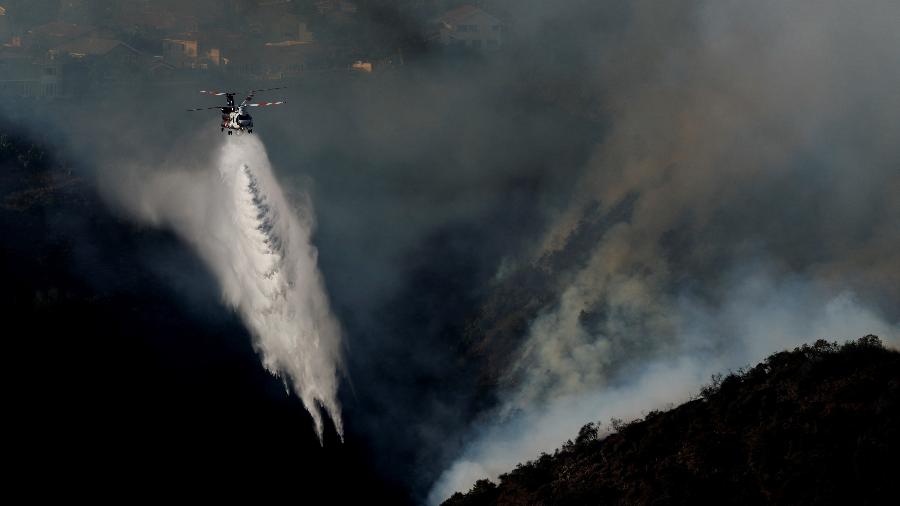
(236, 217)
(759, 142)
(750, 147)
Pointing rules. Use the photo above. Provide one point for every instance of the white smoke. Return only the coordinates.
(236, 217)
(761, 315)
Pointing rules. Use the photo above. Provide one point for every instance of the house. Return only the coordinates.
(159, 70)
(92, 62)
(111, 51)
(4, 25)
(362, 66)
(191, 51)
(180, 51)
(21, 76)
(470, 27)
(161, 73)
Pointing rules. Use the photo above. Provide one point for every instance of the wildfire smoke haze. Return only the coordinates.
(470, 229)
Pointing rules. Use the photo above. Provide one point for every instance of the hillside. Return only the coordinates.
(496, 329)
(817, 425)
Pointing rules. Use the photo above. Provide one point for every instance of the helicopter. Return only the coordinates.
(235, 118)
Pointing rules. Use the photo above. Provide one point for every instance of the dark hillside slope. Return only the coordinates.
(817, 425)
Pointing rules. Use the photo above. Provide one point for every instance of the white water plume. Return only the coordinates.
(237, 218)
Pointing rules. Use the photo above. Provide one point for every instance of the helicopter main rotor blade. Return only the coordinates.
(217, 93)
(265, 104)
(252, 93)
(208, 108)
(269, 89)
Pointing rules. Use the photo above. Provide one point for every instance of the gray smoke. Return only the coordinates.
(760, 141)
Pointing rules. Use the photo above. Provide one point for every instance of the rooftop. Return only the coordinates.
(92, 46)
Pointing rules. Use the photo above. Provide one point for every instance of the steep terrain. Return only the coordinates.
(497, 328)
(817, 425)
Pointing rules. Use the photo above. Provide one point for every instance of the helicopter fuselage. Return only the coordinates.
(237, 119)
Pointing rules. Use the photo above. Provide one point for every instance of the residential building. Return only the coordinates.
(181, 52)
(191, 51)
(90, 63)
(21, 76)
(4, 25)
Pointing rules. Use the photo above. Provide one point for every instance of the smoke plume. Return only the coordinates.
(758, 143)
(236, 217)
